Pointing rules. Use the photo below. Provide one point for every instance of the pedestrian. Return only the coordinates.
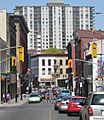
(8, 97)
(47, 96)
(4, 97)
(50, 96)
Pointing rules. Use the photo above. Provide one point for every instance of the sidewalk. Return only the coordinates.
(13, 103)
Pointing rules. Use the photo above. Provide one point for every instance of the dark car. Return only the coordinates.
(42, 94)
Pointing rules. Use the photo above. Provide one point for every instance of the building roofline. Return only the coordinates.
(53, 55)
(22, 19)
(52, 4)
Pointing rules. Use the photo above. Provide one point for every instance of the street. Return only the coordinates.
(37, 111)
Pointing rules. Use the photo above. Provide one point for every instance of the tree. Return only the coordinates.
(52, 51)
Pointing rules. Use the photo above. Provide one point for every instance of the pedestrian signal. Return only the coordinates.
(13, 61)
(70, 63)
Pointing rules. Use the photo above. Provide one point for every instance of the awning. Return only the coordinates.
(46, 80)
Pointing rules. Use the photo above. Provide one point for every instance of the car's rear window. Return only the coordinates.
(34, 95)
(78, 100)
(66, 98)
(98, 99)
(65, 91)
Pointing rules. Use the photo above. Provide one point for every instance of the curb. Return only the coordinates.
(13, 104)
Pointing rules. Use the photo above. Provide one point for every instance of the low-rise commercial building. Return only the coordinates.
(50, 69)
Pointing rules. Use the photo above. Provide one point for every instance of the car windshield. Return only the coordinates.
(78, 100)
(98, 99)
(34, 95)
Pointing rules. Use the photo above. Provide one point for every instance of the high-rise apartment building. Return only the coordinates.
(55, 23)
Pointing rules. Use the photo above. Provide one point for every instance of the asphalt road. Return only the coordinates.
(37, 111)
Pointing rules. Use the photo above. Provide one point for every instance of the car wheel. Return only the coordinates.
(59, 111)
(55, 108)
(68, 114)
(80, 118)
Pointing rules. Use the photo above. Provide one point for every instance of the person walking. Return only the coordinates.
(47, 96)
(8, 97)
(4, 98)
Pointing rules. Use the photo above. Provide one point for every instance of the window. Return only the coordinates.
(67, 70)
(66, 62)
(55, 70)
(54, 61)
(86, 16)
(60, 62)
(43, 62)
(78, 100)
(43, 71)
(61, 71)
(49, 62)
(49, 71)
(98, 99)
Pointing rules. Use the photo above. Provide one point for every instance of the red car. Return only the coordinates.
(73, 106)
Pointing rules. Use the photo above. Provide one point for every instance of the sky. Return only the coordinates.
(98, 4)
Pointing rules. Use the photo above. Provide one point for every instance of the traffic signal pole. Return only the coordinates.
(21, 60)
(69, 49)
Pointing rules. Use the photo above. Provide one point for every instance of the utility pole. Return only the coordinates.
(14, 64)
(69, 49)
(20, 55)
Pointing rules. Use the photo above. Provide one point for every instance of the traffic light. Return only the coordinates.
(94, 50)
(70, 63)
(21, 54)
(13, 61)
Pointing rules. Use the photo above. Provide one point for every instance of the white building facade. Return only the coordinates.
(55, 23)
(97, 64)
(50, 68)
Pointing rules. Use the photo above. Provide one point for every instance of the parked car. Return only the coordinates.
(57, 102)
(65, 92)
(63, 105)
(93, 107)
(34, 97)
(73, 106)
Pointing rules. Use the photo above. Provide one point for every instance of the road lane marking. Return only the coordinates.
(50, 115)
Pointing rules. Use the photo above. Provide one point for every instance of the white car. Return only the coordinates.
(34, 97)
(93, 107)
(63, 105)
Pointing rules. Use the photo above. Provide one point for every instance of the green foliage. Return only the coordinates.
(52, 51)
